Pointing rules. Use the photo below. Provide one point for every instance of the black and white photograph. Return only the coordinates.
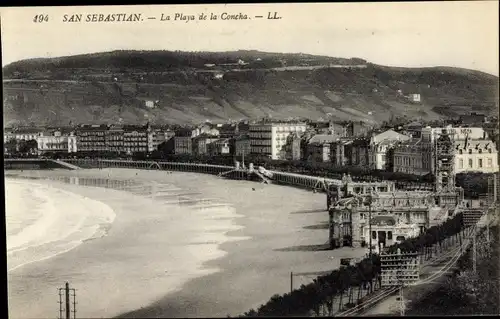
(251, 160)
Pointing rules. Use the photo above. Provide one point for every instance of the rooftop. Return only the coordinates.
(323, 138)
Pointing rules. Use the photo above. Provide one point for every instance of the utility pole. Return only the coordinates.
(474, 251)
(488, 224)
(291, 282)
(60, 303)
(66, 292)
(370, 223)
(402, 301)
(67, 301)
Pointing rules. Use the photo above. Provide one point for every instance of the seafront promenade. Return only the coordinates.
(235, 172)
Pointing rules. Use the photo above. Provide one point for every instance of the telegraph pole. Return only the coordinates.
(291, 282)
(402, 301)
(474, 251)
(370, 223)
(67, 301)
(66, 292)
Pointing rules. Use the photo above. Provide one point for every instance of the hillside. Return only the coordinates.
(191, 87)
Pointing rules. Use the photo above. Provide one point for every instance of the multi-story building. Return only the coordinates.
(339, 151)
(159, 137)
(182, 142)
(355, 129)
(268, 139)
(227, 130)
(242, 145)
(414, 129)
(394, 209)
(23, 133)
(183, 145)
(56, 142)
(200, 142)
(472, 155)
(319, 148)
(380, 144)
(473, 151)
(412, 157)
(292, 150)
(114, 138)
(136, 138)
(91, 138)
(429, 134)
(219, 147)
(359, 152)
(337, 128)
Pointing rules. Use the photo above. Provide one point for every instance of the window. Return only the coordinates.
(489, 150)
(480, 151)
(374, 234)
(470, 162)
(480, 163)
(460, 151)
(490, 162)
(461, 163)
(389, 235)
(470, 151)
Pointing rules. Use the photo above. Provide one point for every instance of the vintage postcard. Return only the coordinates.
(242, 160)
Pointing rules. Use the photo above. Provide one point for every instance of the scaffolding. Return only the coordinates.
(444, 156)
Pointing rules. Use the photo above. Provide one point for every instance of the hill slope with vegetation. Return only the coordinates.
(191, 87)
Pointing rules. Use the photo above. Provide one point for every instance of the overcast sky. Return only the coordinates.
(461, 34)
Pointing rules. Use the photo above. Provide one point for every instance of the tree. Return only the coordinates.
(29, 146)
(11, 146)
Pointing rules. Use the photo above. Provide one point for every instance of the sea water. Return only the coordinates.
(44, 221)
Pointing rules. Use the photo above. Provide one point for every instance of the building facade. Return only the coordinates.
(242, 145)
(472, 149)
(319, 148)
(160, 136)
(268, 139)
(219, 147)
(380, 145)
(476, 156)
(114, 138)
(200, 142)
(56, 143)
(136, 138)
(292, 150)
(412, 157)
(183, 145)
(91, 138)
(23, 133)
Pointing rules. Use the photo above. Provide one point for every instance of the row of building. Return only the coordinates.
(411, 149)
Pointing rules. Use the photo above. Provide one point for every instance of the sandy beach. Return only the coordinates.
(216, 248)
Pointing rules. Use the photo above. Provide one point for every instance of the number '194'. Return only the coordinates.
(41, 18)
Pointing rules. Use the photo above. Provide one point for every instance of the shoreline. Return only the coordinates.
(270, 240)
(91, 217)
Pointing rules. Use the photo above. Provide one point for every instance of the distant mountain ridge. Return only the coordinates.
(188, 87)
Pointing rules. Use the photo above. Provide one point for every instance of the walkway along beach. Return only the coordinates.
(176, 255)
